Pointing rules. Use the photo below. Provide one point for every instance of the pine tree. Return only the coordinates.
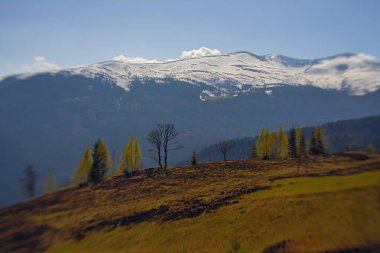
(49, 183)
(318, 141)
(301, 148)
(293, 143)
(29, 181)
(321, 140)
(83, 168)
(101, 161)
(194, 158)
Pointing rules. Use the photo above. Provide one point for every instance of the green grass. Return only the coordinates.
(307, 185)
(315, 213)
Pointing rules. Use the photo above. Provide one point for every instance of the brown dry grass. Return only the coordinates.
(79, 212)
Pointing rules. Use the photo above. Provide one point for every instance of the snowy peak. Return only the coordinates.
(240, 72)
(287, 61)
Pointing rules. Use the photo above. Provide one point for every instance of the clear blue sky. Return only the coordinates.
(73, 32)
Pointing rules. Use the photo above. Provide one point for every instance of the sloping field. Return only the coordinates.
(237, 206)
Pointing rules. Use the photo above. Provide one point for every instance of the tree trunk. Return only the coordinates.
(166, 157)
(159, 156)
(298, 165)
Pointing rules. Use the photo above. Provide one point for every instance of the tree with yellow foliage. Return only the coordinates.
(262, 149)
(282, 143)
(272, 145)
(82, 170)
(130, 159)
(49, 183)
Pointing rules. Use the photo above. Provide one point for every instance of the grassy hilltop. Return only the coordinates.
(234, 206)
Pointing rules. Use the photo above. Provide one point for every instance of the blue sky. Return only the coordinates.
(41, 33)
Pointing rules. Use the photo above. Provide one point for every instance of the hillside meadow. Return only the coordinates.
(233, 206)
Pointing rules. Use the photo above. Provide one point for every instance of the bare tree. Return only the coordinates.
(28, 181)
(163, 140)
(170, 135)
(155, 139)
(224, 147)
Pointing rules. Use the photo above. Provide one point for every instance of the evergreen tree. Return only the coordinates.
(301, 148)
(253, 154)
(321, 140)
(194, 158)
(101, 161)
(29, 181)
(293, 143)
(83, 168)
(318, 141)
(49, 183)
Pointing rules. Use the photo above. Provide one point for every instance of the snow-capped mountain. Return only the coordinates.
(50, 117)
(236, 73)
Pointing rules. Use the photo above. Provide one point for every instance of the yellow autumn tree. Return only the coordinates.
(83, 168)
(272, 145)
(282, 143)
(49, 183)
(130, 159)
(262, 148)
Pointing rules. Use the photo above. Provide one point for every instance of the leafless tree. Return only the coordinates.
(224, 147)
(163, 140)
(28, 181)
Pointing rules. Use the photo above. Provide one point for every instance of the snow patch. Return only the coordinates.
(238, 73)
(268, 92)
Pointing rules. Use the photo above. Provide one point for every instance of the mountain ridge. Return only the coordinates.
(46, 113)
(233, 74)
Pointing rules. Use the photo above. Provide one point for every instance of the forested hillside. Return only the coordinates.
(355, 134)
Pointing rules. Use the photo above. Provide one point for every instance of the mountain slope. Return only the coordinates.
(262, 205)
(354, 134)
(241, 72)
(47, 119)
